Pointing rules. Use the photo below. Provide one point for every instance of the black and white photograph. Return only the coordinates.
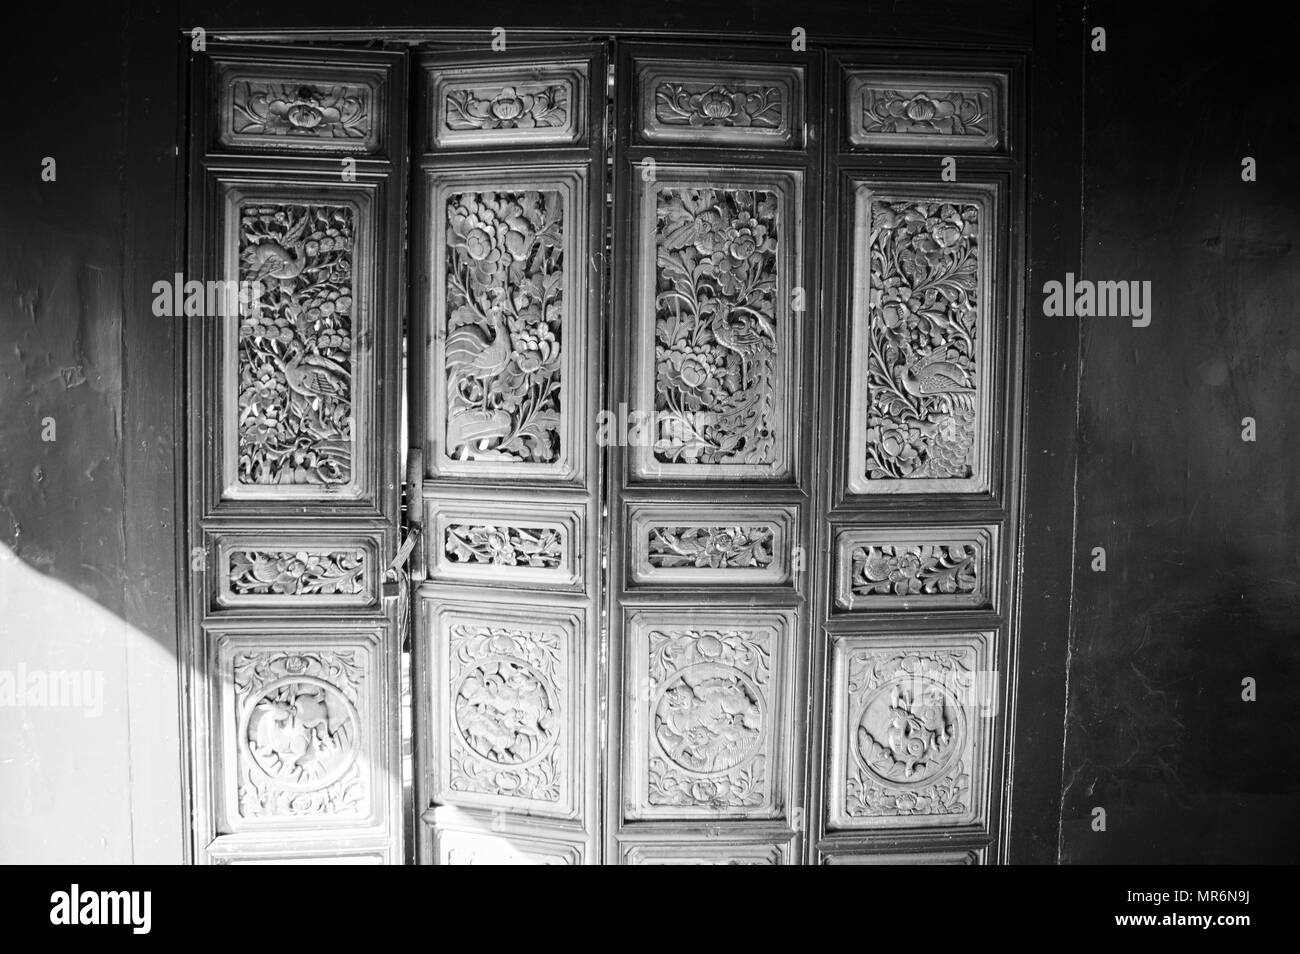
(680, 433)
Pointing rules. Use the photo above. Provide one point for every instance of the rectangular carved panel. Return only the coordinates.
(300, 107)
(704, 854)
(889, 110)
(707, 718)
(739, 104)
(298, 402)
(509, 316)
(970, 857)
(916, 568)
(301, 737)
(500, 543)
(508, 708)
(910, 732)
(455, 846)
(524, 105)
(295, 570)
(718, 258)
(920, 407)
(703, 543)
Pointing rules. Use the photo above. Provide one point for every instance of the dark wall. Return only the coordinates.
(1200, 528)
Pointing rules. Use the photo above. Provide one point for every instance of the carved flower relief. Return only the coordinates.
(922, 310)
(300, 733)
(505, 545)
(712, 547)
(510, 107)
(909, 736)
(715, 326)
(295, 345)
(297, 573)
(718, 105)
(912, 570)
(288, 109)
(950, 113)
(505, 313)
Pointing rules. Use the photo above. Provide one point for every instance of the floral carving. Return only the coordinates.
(296, 345)
(910, 734)
(708, 716)
(920, 363)
(505, 278)
(299, 733)
(713, 547)
(506, 545)
(703, 105)
(938, 113)
(506, 713)
(715, 326)
(509, 107)
(264, 108)
(297, 573)
(917, 569)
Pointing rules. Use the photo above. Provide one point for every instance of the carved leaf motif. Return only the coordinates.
(704, 105)
(297, 573)
(922, 313)
(504, 326)
(523, 106)
(715, 326)
(505, 545)
(913, 570)
(260, 107)
(927, 112)
(296, 345)
(717, 547)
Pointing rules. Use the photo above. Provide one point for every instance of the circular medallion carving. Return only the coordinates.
(301, 733)
(910, 730)
(506, 711)
(709, 718)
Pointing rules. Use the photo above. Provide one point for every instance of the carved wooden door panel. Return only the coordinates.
(709, 478)
(294, 374)
(509, 288)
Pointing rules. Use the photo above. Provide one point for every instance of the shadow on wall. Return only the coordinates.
(71, 782)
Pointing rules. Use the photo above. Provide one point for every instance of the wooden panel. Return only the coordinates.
(467, 847)
(920, 402)
(717, 259)
(971, 857)
(707, 721)
(499, 540)
(948, 112)
(923, 568)
(701, 544)
(695, 102)
(298, 570)
(287, 103)
(530, 104)
(705, 854)
(509, 720)
(909, 736)
(508, 286)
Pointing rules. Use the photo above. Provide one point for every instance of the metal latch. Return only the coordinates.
(393, 574)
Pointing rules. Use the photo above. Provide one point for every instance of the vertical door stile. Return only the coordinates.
(292, 657)
(509, 307)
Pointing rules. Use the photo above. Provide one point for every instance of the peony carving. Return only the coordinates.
(297, 572)
(504, 545)
(300, 110)
(712, 105)
(711, 547)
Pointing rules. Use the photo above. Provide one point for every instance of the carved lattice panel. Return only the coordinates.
(910, 735)
(301, 570)
(717, 259)
(707, 721)
(508, 377)
(918, 568)
(702, 543)
(920, 402)
(495, 541)
(489, 106)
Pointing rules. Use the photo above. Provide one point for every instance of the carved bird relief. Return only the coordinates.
(314, 376)
(469, 353)
(745, 335)
(932, 374)
(283, 259)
